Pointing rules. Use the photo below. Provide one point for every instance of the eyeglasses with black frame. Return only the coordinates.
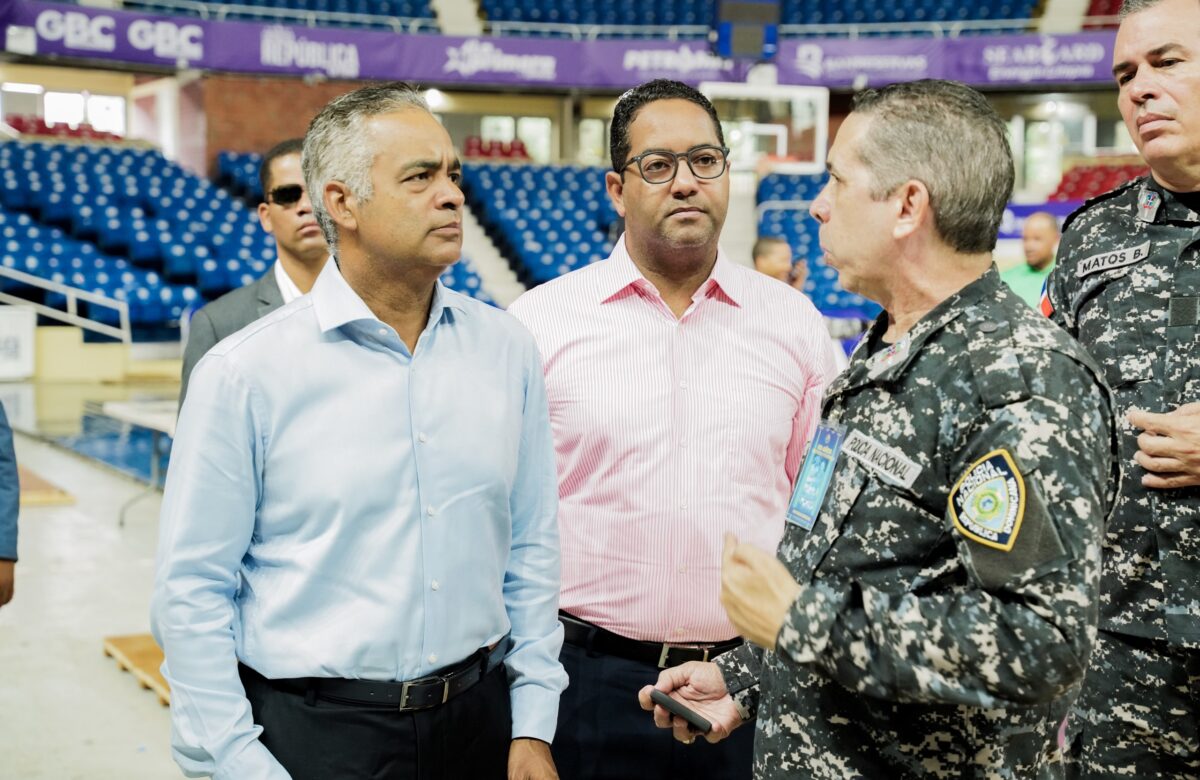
(286, 196)
(659, 167)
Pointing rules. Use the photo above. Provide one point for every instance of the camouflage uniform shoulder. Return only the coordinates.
(1015, 354)
(1114, 197)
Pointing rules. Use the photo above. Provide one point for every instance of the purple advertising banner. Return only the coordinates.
(1031, 59)
(863, 62)
(36, 28)
(68, 30)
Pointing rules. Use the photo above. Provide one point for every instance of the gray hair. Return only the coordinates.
(1130, 7)
(947, 136)
(336, 148)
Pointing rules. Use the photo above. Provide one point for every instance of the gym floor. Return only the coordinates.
(66, 710)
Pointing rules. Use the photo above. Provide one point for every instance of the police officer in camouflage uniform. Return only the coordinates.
(1127, 286)
(934, 601)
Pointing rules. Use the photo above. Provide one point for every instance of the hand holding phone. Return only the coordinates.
(694, 719)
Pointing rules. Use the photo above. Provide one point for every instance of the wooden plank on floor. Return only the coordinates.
(141, 656)
(36, 491)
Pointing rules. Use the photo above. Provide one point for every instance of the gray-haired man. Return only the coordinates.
(358, 566)
(934, 602)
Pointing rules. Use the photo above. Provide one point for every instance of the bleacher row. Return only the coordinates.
(247, 11)
(36, 125)
(792, 12)
(630, 13)
(1088, 181)
(547, 220)
(129, 224)
(132, 225)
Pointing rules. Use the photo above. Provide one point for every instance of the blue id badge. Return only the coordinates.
(816, 474)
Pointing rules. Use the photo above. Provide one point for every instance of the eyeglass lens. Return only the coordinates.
(706, 163)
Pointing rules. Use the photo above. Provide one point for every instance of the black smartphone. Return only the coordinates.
(694, 719)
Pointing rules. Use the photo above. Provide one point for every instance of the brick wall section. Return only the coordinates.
(252, 114)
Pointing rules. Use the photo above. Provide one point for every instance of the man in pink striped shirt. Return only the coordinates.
(683, 389)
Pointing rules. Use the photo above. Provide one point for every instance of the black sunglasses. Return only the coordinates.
(286, 196)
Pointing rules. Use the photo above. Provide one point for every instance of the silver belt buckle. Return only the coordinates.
(407, 685)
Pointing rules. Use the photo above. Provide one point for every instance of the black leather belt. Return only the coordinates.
(592, 638)
(421, 694)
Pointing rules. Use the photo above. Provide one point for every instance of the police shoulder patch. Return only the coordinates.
(988, 503)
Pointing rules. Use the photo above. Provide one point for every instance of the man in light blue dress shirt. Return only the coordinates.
(358, 568)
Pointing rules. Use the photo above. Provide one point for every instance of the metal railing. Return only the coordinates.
(781, 205)
(942, 29)
(221, 11)
(591, 32)
(73, 294)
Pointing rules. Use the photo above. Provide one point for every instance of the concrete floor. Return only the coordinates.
(66, 710)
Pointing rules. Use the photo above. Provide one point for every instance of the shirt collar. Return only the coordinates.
(287, 288)
(337, 304)
(891, 363)
(621, 277)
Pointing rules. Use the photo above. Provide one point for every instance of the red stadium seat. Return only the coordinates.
(1083, 182)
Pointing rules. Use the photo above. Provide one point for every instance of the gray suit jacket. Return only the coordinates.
(225, 316)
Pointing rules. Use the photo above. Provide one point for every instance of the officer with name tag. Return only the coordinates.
(932, 606)
(1127, 286)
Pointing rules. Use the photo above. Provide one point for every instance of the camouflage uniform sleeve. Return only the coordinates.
(741, 668)
(986, 625)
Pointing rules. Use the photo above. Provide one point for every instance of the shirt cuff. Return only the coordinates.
(809, 623)
(534, 712)
(741, 669)
(255, 761)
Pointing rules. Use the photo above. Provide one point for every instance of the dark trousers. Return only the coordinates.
(603, 734)
(314, 739)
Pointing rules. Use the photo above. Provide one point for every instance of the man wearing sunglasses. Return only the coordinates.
(287, 214)
(682, 387)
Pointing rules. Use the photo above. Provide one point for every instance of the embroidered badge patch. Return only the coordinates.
(988, 503)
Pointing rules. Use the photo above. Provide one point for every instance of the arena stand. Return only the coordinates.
(1088, 181)
(399, 15)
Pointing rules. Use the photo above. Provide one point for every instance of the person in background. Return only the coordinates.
(10, 506)
(1039, 237)
(773, 257)
(287, 214)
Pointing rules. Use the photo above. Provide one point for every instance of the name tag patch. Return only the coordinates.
(888, 463)
(988, 503)
(815, 476)
(1107, 261)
